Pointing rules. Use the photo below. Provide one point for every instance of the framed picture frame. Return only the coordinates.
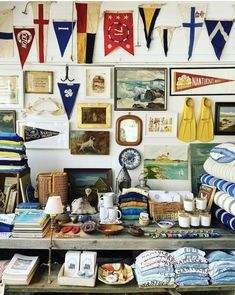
(38, 82)
(11, 89)
(159, 124)
(208, 192)
(98, 82)
(44, 135)
(7, 121)
(140, 89)
(94, 115)
(202, 81)
(224, 118)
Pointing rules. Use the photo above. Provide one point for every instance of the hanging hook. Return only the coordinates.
(67, 75)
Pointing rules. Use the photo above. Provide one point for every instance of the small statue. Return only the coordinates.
(82, 206)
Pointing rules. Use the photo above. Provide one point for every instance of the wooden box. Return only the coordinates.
(167, 210)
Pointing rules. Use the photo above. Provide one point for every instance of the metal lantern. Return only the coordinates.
(123, 179)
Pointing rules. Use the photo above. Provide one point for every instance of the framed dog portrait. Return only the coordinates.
(7, 121)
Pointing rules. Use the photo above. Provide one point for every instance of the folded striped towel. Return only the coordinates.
(221, 184)
(224, 153)
(225, 202)
(223, 216)
(219, 170)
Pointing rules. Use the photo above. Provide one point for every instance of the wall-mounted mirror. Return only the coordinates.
(129, 130)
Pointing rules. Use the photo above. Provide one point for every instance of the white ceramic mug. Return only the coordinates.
(103, 214)
(114, 214)
(108, 200)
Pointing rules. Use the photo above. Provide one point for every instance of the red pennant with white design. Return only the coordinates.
(118, 31)
(24, 38)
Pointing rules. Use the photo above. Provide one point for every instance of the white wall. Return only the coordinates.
(203, 55)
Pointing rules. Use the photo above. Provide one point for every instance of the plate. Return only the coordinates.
(110, 229)
(130, 157)
(115, 273)
(135, 231)
(165, 223)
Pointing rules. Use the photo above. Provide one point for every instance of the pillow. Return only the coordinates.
(224, 153)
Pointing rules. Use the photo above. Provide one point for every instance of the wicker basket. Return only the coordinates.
(165, 210)
(52, 184)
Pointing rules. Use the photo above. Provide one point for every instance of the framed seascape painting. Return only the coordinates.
(7, 121)
(140, 89)
(160, 124)
(225, 118)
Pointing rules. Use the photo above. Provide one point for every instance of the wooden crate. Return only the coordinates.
(167, 210)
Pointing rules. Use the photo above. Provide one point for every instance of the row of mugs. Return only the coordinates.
(111, 214)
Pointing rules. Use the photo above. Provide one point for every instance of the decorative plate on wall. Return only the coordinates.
(130, 157)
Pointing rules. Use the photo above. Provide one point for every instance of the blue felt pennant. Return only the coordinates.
(63, 31)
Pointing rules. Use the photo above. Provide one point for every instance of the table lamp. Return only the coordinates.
(53, 207)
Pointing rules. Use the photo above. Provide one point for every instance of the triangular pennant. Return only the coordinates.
(33, 133)
(68, 94)
(118, 31)
(218, 31)
(63, 31)
(166, 34)
(149, 14)
(24, 39)
(6, 34)
(192, 21)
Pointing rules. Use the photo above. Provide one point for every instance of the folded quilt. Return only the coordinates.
(221, 184)
(224, 153)
(223, 216)
(21, 152)
(135, 195)
(133, 203)
(132, 211)
(10, 136)
(130, 217)
(225, 202)
(13, 162)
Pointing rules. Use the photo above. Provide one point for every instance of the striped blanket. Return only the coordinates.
(223, 216)
(224, 171)
(220, 184)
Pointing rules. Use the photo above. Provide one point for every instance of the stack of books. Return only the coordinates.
(20, 270)
(32, 223)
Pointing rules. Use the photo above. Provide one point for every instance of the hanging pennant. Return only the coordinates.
(87, 24)
(192, 21)
(218, 31)
(68, 94)
(6, 33)
(166, 33)
(24, 39)
(149, 14)
(118, 31)
(33, 133)
(63, 31)
(41, 14)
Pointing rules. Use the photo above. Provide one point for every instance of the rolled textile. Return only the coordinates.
(224, 171)
(225, 202)
(220, 184)
(223, 216)
(224, 153)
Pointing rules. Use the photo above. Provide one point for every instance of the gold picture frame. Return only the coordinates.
(94, 115)
(38, 82)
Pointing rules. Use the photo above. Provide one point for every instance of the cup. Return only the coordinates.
(201, 203)
(189, 205)
(114, 214)
(205, 219)
(195, 220)
(108, 200)
(103, 214)
(184, 220)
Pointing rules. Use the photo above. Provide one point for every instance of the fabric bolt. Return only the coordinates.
(224, 153)
(132, 211)
(226, 218)
(134, 208)
(133, 199)
(130, 217)
(133, 203)
(132, 195)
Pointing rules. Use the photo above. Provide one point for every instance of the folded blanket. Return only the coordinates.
(10, 136)
(133, 199)
(13, 162)
(220, 184)
(132, 211)
(134, 208)
(226, 218)
(21, 152)
(133, 203)
(130, 217)
(225, 202)
(224, 153)
(132, 195)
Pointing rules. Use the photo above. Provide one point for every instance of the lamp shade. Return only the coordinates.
(54, 205)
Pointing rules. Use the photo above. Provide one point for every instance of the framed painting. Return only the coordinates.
(225, 118)
(98, 82)
(38, 82)
(94, 115)
(89, 142)
(140, 89)
(202, 81)
(44, 135)
(11, 89)
(161, 124)
(7, 121)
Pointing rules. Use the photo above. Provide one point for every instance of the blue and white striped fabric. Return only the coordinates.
(220, 184)
(224, 153)
(223, 216)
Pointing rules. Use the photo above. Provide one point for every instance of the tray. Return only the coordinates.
(115, 273)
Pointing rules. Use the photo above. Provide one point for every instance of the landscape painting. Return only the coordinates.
(140, 89)
(225, 118)
(166, 162)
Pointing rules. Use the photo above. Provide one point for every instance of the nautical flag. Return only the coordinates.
(6, 33)
(118, 31)
(63, 31)
(24, 39)
(166, 33)
(33, 133)
(41, 13)
(192, 22)
(218, 31)
(149, 14)
(87, 24)
(68, 94)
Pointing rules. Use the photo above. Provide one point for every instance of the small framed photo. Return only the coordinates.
(98, 82)
(94, 115)
(11, 89)
(7, 121)
(161, 124)
(39, 82)
(208, 192)
(225, 118)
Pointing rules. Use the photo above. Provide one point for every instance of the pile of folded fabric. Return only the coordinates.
(154, 268)
(132, 202)
(221, 268)
(220, 167)
(191, 267)
(12, 153)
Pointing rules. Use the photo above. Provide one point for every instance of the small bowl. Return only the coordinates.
(165, 223)
(110, 229)
(135, 231)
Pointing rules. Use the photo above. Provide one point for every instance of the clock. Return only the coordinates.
(130, 157)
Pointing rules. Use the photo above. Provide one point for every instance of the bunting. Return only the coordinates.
(218, 31)
(6, 33)
(24, 38)
(149, 14)
(166, 33)
(34, 133)
(192, 22)
(63, 31)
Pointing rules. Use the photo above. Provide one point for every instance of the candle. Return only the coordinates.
(188, 205)
(184, 220)
(201, 203)
(205, 219)
(195, 220)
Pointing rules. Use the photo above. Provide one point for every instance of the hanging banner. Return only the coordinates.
(118, 31)
(68, 94)
(6, 33)
(24, 38)
(33, 133)
(149, 14)
(166, 33)
(218, 31)
(63, 31)
(192, 21)
(41, 14)
(87, 24)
